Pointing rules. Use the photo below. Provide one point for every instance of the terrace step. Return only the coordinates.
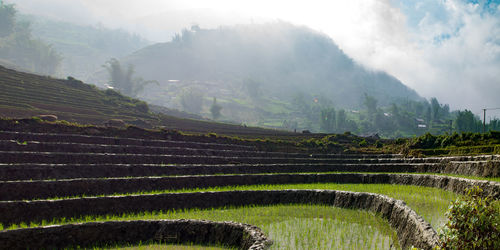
(485, 168)
(36, 146)
(37, 171)
(97, 158)
(87, 139)
(27, 190)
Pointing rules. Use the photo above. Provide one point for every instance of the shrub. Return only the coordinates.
(474, 223)
(495, 134)
(363, 143)
(400, 141)
(426, 141)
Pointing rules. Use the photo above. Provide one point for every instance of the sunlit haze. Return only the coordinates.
(449, 49)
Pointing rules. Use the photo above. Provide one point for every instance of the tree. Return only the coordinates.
(215, 109)
(494, 125)
(123, 80)
(342, 121)
(466, 122)
(7, 19)
(327, 120)
(419, 109)
(435, 106)
(371, 104)
(428, 115)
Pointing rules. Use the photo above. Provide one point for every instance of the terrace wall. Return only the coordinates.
(411, 229)
(93, 234)
(26, 171)
(23, 190)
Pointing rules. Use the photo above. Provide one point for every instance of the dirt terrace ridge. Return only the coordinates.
(41, 171)
(106, 140)
(25, 190)
(242, 236)
(200, 149)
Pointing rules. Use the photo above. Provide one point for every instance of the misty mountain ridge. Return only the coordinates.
(282, 59)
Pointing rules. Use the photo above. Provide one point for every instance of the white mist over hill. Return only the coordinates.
(449, 49)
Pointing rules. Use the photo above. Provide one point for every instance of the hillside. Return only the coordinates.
(261, 73)
(26, 95)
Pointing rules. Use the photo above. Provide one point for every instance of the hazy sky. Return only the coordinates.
(449, 49)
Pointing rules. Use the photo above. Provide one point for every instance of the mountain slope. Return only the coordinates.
(283, 59)
(25, 95)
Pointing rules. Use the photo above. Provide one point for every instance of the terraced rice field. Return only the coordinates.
(117, 192)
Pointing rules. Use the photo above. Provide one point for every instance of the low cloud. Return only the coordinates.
(453, 54)
(449, 49)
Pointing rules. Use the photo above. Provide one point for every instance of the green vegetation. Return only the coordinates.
(474, 223)
(465, 143)
(429, 141)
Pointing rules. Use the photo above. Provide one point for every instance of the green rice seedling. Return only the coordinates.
(158, 246)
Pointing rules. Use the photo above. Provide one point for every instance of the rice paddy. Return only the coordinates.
(292, 226)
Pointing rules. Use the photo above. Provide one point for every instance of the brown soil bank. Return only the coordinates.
(411, 229)
(265, 139)
(93, 234)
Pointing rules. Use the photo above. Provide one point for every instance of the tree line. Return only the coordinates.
(402, 119)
